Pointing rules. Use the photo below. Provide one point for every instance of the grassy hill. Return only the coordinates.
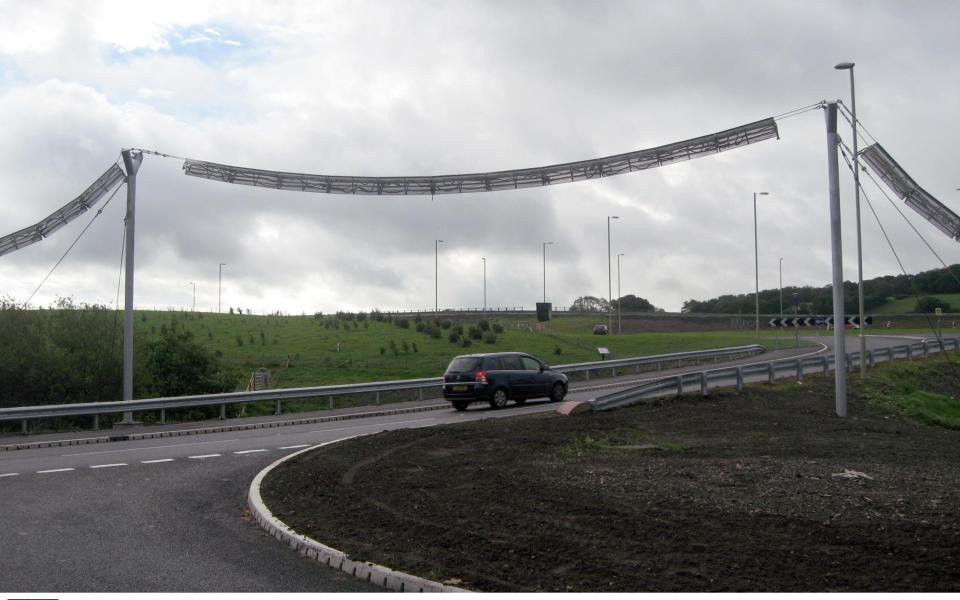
(307, 351)
(906, 305)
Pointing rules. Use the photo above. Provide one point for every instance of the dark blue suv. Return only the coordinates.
(498, 377)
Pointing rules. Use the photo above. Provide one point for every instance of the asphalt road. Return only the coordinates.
(169, 514)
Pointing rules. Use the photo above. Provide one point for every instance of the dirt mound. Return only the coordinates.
(765, 490)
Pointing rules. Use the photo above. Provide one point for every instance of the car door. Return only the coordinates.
(539, 378)
(519, 378)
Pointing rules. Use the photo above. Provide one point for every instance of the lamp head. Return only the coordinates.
(844, 65)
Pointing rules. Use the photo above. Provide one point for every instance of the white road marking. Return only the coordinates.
(293, 447)
(153, 447)
(55, 470)
(159, 460)
(8, 474)
(108, 466)
(248, 451)
(204, 456)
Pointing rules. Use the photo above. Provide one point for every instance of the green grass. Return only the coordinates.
(906, 305)
(909, 389)
(303, 351)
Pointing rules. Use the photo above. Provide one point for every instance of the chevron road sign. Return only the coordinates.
(815, 321)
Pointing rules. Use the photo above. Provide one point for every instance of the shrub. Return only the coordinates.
(459, 329)
(402, 323)
(490, 338)
(497, 328)
(433, 331)
(474, 333)
(466, 343)
(557, 350)
(420, 326)
(484, 325)
(446, 324)
(454, 337)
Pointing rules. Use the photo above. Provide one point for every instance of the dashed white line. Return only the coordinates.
(293, 447)
(205, 456)
(248, 451)
(8, 474)
(55, 470)
(159, 460)
(108, 466)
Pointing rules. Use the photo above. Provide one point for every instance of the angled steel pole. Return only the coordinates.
(436, 278)
(131, 161)
(756, 260)
(619, 296)
(836, 244)
(856, 194)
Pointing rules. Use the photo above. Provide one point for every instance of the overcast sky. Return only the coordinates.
(432, 88)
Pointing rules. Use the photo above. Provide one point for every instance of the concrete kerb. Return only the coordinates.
(331, 557)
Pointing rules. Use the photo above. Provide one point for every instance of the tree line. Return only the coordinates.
(924, 286)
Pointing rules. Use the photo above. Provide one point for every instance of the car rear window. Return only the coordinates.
(463, 363)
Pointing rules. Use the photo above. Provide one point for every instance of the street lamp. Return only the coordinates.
(756, 258)
(619, 296)
(220, 286)
(609, 279)
(484, 288)
(436, 278)
(781, 287)
(194, 309)
(545, 244)
(848, 66)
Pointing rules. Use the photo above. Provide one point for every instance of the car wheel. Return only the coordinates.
(499, 399)
(558, 392)
(460, 405)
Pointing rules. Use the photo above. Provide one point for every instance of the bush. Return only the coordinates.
(497, 328)
(557, 350)
(484, 325)
(490, 338)
(420, 325)
(446, 324)
(466, 343)
(458, 329)
(454, 337)
(433, 331)
(474, 333)
(178, 366)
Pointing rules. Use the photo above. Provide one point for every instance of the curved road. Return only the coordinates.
(169, 514)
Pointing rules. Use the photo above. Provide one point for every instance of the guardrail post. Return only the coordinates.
(163, 416)
(703, 383)
(587, 373)
(870, 358)
(826, 365)
(771, 373)
(679, 385)
(638, 368)
(799, 369)
(680, 363)
(909, 351)
(23, 427)
(926, 348)
(96, 422)
(330, 402)
(739, 378)
(376, 398)
(279, 409)
(613, 371)
(223, 412)
(420, 394)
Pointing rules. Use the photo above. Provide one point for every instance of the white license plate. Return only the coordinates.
(459, 388)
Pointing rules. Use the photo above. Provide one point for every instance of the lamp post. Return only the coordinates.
(781, 287)
(484, 288)
(756, 259)
(436, 278)
(609, 279)
(545, 244)
(848, 66)
(619, 295)
(219, 287)
(194, 307)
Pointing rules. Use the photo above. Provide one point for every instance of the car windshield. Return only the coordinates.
(463, 363)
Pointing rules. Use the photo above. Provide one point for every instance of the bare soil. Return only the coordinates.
(765, 490)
